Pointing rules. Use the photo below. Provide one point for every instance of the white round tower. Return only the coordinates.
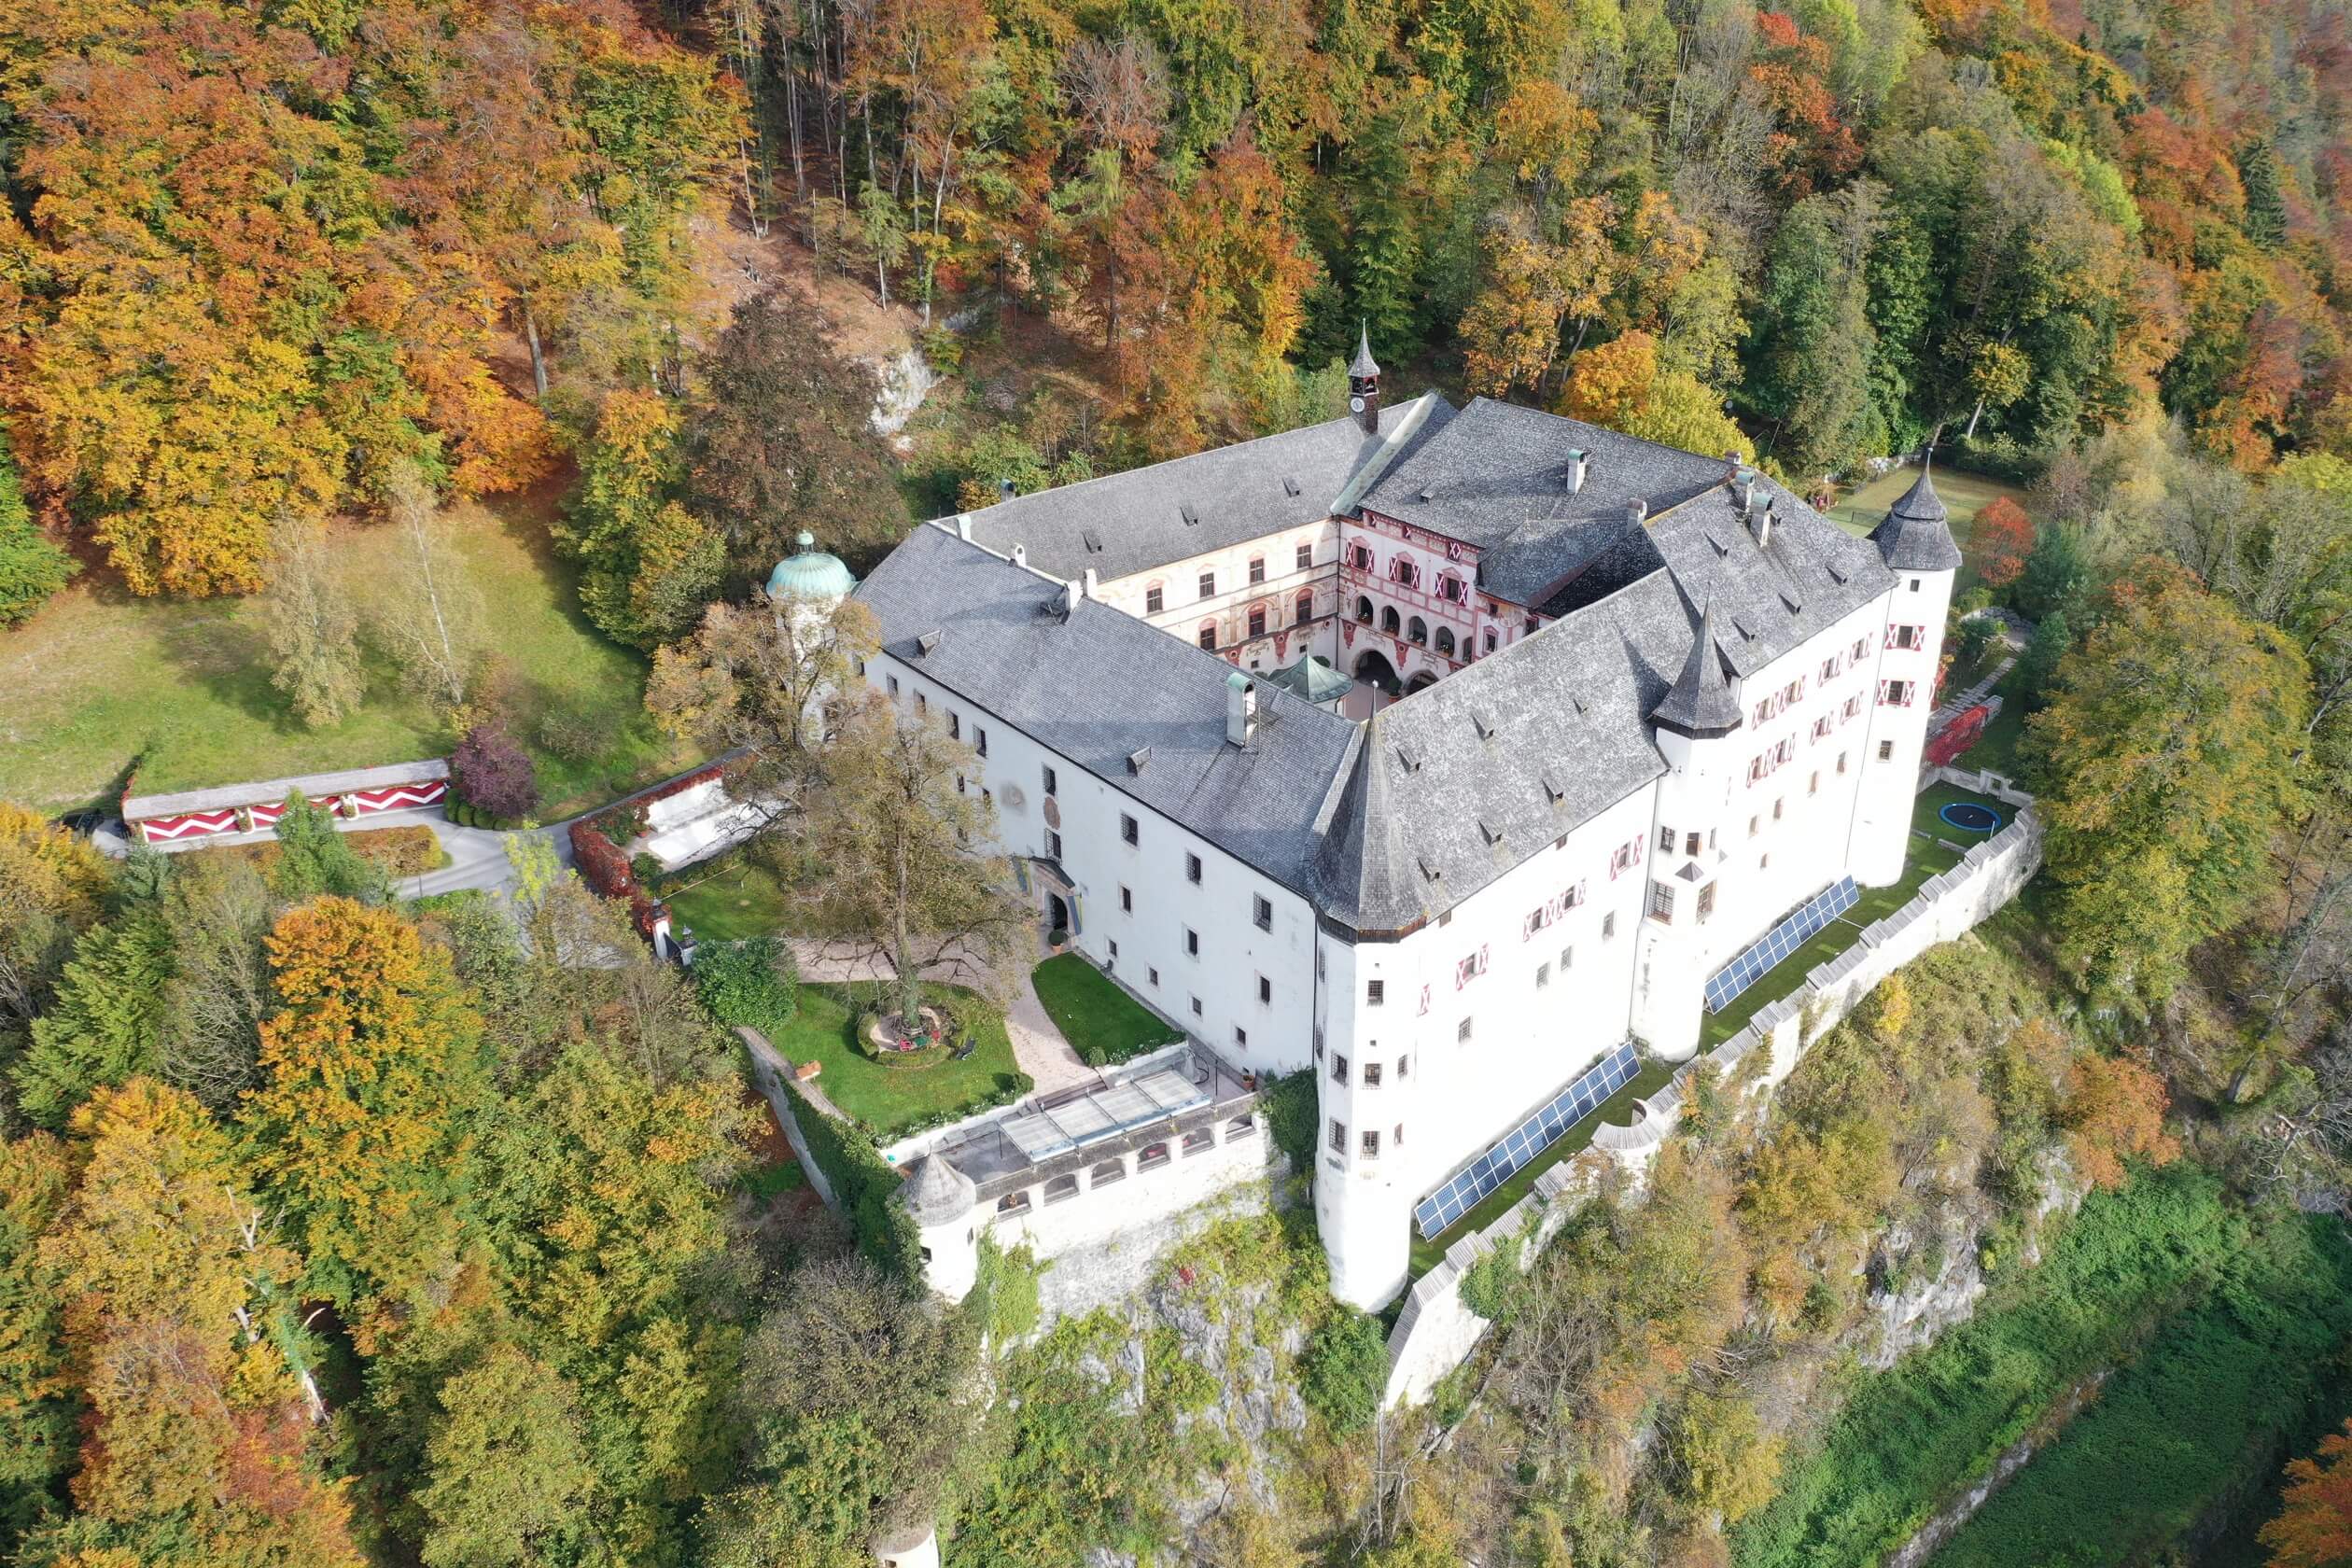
(940, 1198)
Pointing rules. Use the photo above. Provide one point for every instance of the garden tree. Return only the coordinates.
(2171, 752)
(650, 565)
(362, 1126)
(2114, 1110)
(855, 1391)
(32, 566)
(2002, 538)
(778, 440)
(40, 1402)
(314, 628)
(106, 1023)
(508, 1467)
(179, 1327)
(889, 840)
(429, 614)
(2057, 579)
(764, 681)
(2314, 1526)
(490, 771)
(313, 858)
(52, 884)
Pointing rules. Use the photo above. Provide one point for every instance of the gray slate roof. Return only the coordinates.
(1131, 522)
(1700, 702)
(1458, 783)
(1101, 685)
(1915, 536)
(1495, 477)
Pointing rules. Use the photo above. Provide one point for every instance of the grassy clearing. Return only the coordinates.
(888, 1100)
(101, 677)
(1964, 495)
(738, 898)
(1910, 1439)
(1102, 1023)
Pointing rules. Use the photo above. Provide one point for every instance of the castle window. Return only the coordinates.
(1371, 1076)
(894, 686)
(1812, 786)
(1266, 991)
(1052, 844)
(1110, 1170)
(1542, 975)
(1371, 1145)
(1906, 637)
(1363, 609)
(955, 725)
(1403, 1066)
(1338, 1068)
(1754, 822)
(1051, 782)
(1897, 694)
(1208, 635)
(1061, 1189)
(1208, 585)
(1567, 959)
(1661, 903)
(1690, 845)
(1192, 943)
(1154, 974)
(979, 740)
(1886, 750)
(1706, 903)
(1304, 610)
(1391, 621)
(1359, 556)
(1257, 568)
(1243, 1125)
(1861, 649)
(1842, 760)
(1261, 912)
(1306, 556)
(1914, 588)
(1490, 638)
(1192, 869)
(1241, 1037)
(1155, 599)
(1462, 1030)
(1666, 839)
(1608, 925)
(1197, 1011)
(1014, 1203)
(1446, 641)
(1200, 1140)
(1153, 1158)
(1339, 1136)
(1375, 992)
(1128, 830)
(1404, 570)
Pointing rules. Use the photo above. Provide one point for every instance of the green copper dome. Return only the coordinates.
(812, 574)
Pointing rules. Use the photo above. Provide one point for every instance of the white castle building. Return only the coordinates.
(1620, 714)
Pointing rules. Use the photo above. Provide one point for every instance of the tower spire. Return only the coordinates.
(1363, 382)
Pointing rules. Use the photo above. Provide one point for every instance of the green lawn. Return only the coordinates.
(1964, 495)
(1997, 748)
(1102, 1023)
(887, 1100)
(737, 899)
(1927, 858)
(1619, 1107)
(100, 677)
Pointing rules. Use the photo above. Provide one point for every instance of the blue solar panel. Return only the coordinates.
(1462, 1191)
(1793, 932)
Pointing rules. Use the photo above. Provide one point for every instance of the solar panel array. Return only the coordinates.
(1531, 1138)
(1782, 940)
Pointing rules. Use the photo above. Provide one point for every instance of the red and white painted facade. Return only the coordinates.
(196, 814)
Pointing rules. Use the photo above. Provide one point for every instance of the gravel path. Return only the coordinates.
(1038, 1046)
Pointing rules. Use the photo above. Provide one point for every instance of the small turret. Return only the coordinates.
(939, 1199)
(1700, 704)
(1915, 536)
(1364, 383)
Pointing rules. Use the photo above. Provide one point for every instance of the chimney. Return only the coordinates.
(1020, 554)
(1636, 510)
(1094, 583)
(963, 526)
(1743, 486)
(1071, 593)
(1576, 469)
(1762, 524)
(1241, 709)
(1004, 489)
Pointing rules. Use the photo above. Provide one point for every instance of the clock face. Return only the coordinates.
(1355, 405)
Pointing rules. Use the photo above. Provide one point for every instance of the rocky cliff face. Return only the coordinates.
(1934, 1275)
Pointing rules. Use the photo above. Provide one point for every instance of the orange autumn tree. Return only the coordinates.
(372, 1068)
(199, 1446)
(2002, 536)
(2114, 1110)
(2314, 1527)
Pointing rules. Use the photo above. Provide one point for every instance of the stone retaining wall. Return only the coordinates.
(1435, 1330)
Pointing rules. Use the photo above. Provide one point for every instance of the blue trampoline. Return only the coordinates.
(1969, 816)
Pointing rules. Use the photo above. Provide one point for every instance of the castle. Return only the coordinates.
(1457, 754)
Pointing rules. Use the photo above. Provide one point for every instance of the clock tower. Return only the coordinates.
(1364, 383)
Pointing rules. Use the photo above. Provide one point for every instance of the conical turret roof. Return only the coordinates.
(1701, 703)
(1364, 364)
(939, 1193)
(1915, 536)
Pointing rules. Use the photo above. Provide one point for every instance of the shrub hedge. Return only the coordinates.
(863, 1183)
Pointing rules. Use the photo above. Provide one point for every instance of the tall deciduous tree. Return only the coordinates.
(314, 628)
(372, 1073)
(650, 563)
(510, 1469)
(2002, 538)
(32, 566)
(2171, 752)
(2314, 1528)
(430, 613)
(894, 851)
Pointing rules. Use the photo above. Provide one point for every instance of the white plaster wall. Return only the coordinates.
(1436, 1331)
(1526, 1041)
(1882, 832)
(1270, 1036)
(1182, 608)
(1136, 1203)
